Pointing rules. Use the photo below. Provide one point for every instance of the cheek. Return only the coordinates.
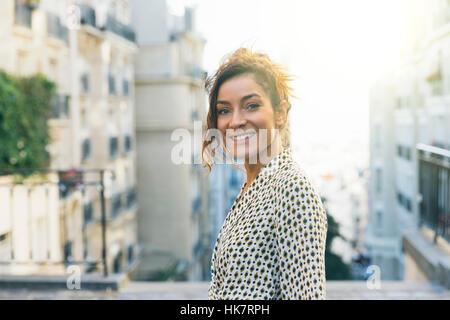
(265, 120)
(220, 125)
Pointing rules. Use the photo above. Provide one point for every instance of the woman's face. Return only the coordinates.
(243, 110)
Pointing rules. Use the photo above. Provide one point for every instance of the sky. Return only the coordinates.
(334, 49)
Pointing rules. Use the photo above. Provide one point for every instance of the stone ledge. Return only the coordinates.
(44, 282)
(430, 259)
(145, 290)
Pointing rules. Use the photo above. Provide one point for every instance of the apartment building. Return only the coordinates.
(409, 110)
(173, 197)
(87, 48)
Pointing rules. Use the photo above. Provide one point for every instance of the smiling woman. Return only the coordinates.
(272, 243)
(247, 93)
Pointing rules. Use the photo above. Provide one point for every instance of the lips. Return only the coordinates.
(242, 137)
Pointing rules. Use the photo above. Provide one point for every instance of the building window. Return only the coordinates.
(116, 205)
(125, 88)
(407, 153)
(378, 181)
(22, 13)
(113, 147)
(131, 197)
(111, 84)
(3, 237)
(85, 83)
(377, 133)
(399, 151)
(55, 28)
(408, 205)
(379, 222)
(130, 253)
(127, 143)
(60, 106)
(87, 212)
(404, 201)
(68, 251)
(86, 149)
(404, 152)
(400, 198)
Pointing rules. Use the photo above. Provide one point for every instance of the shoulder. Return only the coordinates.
(294, 192)
(290, 177)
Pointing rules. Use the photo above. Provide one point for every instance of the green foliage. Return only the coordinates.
(335, 267)
(25, 104)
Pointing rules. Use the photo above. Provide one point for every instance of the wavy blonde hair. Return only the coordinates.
(269, 75)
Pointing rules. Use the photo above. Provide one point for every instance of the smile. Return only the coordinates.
(242, 137)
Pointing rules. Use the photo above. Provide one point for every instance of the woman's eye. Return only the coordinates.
(223, 111)
(253, 106)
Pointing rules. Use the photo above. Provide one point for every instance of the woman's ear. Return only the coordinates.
(281, 114)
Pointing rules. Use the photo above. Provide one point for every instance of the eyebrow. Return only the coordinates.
(242, 100)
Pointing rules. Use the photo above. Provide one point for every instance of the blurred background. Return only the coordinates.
(91, 92)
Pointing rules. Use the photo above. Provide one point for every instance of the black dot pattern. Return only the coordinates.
(272, 242)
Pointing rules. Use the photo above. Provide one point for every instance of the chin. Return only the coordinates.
(245, 152)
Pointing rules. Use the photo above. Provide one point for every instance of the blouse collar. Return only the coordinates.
(276, 163)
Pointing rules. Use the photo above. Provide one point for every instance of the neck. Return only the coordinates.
(272, 151)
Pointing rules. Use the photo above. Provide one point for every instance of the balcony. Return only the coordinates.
(427, 247)
(434, 169)
(122, 30)
(38, 256)
(87, 15)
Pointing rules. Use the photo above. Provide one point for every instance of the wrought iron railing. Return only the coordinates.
(87, 15)
(66, 182)
(434, 186)
(113, 25)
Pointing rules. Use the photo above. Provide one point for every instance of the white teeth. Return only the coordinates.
(243, 136)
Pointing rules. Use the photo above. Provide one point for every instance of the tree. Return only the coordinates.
(25, 104)
(335, 267)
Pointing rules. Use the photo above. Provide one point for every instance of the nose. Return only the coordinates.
(237, 120)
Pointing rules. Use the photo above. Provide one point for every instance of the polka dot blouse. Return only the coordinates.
(272, 242)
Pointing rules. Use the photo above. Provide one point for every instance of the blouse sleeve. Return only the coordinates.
(212, 286)
(301, 234)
